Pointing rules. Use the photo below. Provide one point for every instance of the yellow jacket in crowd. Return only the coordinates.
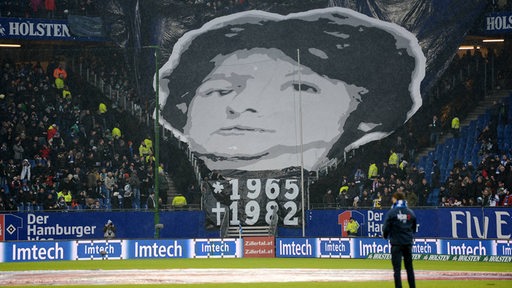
(179, 201)
(59, 83)
(67, 197)
(148, 143)
(373, 171)
(455, 123)
(343, 189)
(144, 150)
(66, 94)
(393, 159)
(102, 108)
(116, 133)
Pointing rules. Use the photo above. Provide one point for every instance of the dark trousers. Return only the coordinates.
(397, 252)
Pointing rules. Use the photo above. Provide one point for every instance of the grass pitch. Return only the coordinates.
(279, 263)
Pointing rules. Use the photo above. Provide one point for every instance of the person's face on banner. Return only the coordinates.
(249, 106)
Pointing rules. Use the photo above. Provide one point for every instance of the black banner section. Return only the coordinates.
(252, 201)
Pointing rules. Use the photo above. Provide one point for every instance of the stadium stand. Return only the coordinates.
(68, 145)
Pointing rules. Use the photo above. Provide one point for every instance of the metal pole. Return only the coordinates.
(301, 151)
(485, 79)
(156, 143)
(493, 85)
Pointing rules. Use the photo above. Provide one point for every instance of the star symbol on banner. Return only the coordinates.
(218, 187)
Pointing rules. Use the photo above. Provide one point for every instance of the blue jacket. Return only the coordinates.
(400, 225)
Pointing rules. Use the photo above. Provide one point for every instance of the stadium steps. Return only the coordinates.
(484, 105)
(480, 109)
(170, 188)
(244, 231)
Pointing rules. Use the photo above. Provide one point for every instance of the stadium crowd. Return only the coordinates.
(486, 183)
(47, 8)
(58, 154)
(59, 151)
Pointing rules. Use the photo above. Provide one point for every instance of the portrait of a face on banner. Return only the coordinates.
(256, 95)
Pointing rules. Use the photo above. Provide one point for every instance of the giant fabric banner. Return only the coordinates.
(457, 223)
(439, 25)
(277, 91)
(261, 86)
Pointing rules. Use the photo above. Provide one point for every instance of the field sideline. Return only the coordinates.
(138, 266)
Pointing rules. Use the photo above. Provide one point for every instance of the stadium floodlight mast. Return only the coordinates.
(156, 144)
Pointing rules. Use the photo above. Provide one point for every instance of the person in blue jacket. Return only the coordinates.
(399, 228)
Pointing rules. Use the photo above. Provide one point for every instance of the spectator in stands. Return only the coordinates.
(393, 159)
(50, 8)
(66, 93)
(135, 183)
(95, 205)
(110, 185)
(366, 201)
(455, 127)
(18, 150)
(488, 198)
(66, 196)
(144, 150)
(435, 175)
(423, 191)
(3, 204)
(329, 200)
(102, 116)
(116, 132)
(375, 184)
(59, 82)
(402, 169)
(359, 180)
(99, 192)
(343, 198)
(148, 142)
(386, 198)
(211, 90)
(377, 200)
(373, 171)
(435, 129)
(81, 200)
(400, 148)
(179, 201)
(50, 203)
(127, 197)
(36, 7)
(193, 195)
(386, 171)
(25, 170)
(505, 198)
(60, 71)
(151, 201)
